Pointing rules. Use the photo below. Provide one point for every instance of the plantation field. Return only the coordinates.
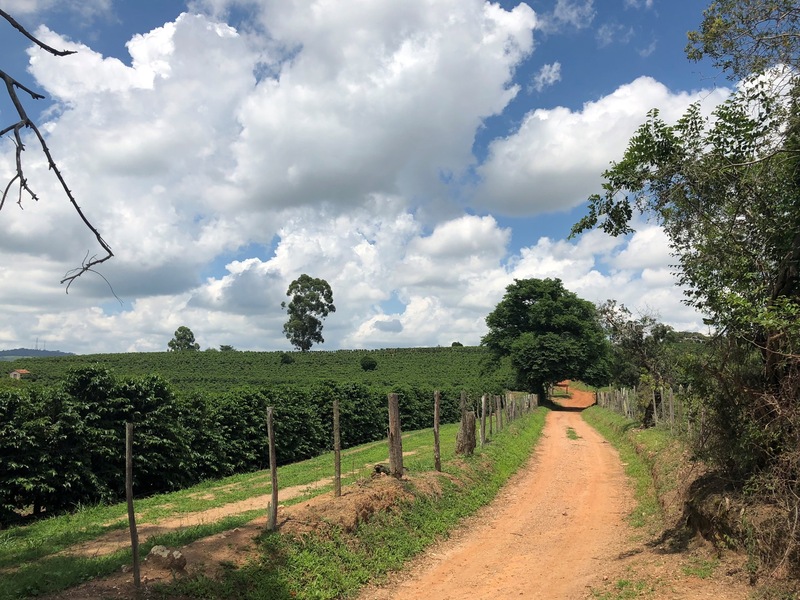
(94, 541)
(201, 415)
(219, 372)
(213, 522)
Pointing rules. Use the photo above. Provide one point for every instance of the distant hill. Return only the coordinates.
(28, 352)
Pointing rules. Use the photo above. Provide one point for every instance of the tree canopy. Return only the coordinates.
(726, 190)
(183, 340)
(639, 345)
(549, 334)
(311, 301)
(744, 37)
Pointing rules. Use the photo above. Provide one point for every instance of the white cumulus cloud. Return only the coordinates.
(222, 161)
(547, 76)
(555, 159)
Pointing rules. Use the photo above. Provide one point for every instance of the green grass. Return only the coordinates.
(334, 564)
(28, 565)
(572, 434)
(54, 573)
(700, 567)
(624, 589)
(579, 385)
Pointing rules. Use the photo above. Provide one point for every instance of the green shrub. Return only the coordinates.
(64, 446)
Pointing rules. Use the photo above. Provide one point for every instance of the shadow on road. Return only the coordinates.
(560, 408)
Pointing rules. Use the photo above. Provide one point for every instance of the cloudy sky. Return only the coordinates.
(418, 155)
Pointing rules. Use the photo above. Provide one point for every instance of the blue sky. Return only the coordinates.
(418, 155)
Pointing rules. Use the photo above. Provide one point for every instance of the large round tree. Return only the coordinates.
(549, 334)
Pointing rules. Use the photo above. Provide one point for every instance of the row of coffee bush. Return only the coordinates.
(64, 446)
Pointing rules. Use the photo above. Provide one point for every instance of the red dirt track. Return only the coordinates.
(558, 530)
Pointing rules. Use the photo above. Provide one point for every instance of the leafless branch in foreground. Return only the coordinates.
(22, 187)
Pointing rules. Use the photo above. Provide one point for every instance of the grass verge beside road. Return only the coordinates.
(621, 433)
(33, 562)
(35, 559)
(332, 563)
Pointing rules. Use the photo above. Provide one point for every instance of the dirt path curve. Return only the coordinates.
(556, 531)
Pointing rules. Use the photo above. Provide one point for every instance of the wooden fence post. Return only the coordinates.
(272, 524)
(395, 441)
(483, 420)
(491, 415)
(465, 439)
(499, 413)
(337, 451)
(437, 454)
(137, 578)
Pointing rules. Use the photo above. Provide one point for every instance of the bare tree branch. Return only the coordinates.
(25, 122)
(87, 265)
(39, 43)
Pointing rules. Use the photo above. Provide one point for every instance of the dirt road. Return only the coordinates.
(557, 531)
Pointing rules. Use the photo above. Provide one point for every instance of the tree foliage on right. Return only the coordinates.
(311, 301)
(726, 190)
(549, 334)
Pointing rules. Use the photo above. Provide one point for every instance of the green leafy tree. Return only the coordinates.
(226, 348)
(368, 363)
(311, 301)
(744, 37)
(549, 334)
(183, 340)
(639, 345)
(727, 192)
(728, 198)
